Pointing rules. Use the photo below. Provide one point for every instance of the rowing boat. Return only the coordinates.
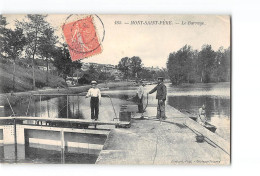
(207, 125)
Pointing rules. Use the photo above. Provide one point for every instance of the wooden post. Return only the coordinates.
(67, 106)
(40, 105)
(48, 108)
(15, 141)
(78, 106)
(73, 107)
(62, 146)
(34, 107)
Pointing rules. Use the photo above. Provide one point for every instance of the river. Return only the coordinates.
(215, 96)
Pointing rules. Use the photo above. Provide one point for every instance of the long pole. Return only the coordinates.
(78, 106)
(113, 106)
(62, 146)
(28, 106)
(73, 106)
(15, 140)
(67, 106)
(40, 105)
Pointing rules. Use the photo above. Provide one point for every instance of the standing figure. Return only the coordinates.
(202, 115)
(161, 96)
(95, 100)
(140, 95)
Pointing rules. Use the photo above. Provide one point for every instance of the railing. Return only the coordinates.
(45, 96)
(57, 122)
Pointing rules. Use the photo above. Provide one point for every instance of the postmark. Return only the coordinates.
(82, 38)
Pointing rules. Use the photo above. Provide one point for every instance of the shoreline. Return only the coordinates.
(22, 97)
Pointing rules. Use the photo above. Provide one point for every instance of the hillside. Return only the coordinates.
(23, 79)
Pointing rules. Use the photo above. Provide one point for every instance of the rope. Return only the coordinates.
(113, 106)
(10, 105)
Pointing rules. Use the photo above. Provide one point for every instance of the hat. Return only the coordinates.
(93, 82)
(160, 78)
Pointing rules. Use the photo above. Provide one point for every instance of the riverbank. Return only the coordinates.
(23, 97)
(24, 78)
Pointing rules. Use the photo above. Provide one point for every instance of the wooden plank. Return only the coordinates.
(79, 121)
(70, 130)
(59, 94)
(82, 95)
(220, 142)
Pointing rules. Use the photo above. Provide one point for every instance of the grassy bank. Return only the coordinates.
(24, 79)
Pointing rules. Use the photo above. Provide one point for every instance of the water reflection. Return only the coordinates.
(217, 110)
(28, 154)
(215, 107)
(78, 107)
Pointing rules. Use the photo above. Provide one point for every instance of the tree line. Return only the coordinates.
(191, 66)
(133, 68)
(34, 38)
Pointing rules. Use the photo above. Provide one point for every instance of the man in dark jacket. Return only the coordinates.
(161, 96)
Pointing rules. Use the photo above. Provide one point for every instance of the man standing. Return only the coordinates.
(140, 95)
(95, 100)
(161, 96)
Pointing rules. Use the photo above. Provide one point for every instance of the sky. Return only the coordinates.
(152, 43)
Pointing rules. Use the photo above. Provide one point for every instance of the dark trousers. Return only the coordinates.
(161, 110)
(140, 105)
(94, 104)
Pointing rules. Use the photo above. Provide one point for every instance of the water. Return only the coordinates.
(78, 108)
(216, 97)
(190, 97)
(29, 154)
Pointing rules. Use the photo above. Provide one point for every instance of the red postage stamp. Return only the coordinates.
(82, 38)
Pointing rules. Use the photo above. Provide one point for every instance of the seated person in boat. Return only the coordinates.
(202, 115)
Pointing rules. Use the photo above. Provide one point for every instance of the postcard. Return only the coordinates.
(115, 89)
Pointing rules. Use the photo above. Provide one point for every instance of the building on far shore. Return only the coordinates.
(106, 68)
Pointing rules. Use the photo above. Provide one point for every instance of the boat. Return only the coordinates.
(210, 127)
(207, 125)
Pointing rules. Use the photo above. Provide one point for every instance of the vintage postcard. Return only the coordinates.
(115, 89)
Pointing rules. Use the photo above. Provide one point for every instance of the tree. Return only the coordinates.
(62, 61)
(3, 31)
(34, 28)
(146, 74)
(124, 65)
(222, 65)
(94, 74)
(12, 45)
(136, 66)
(206, 63)
(226, 63)
(91, 74)
(47, 46)
(179, 65)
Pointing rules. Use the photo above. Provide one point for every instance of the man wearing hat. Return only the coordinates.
(95, 99)
(161, 96)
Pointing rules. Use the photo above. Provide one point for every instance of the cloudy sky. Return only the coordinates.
(152, 43)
